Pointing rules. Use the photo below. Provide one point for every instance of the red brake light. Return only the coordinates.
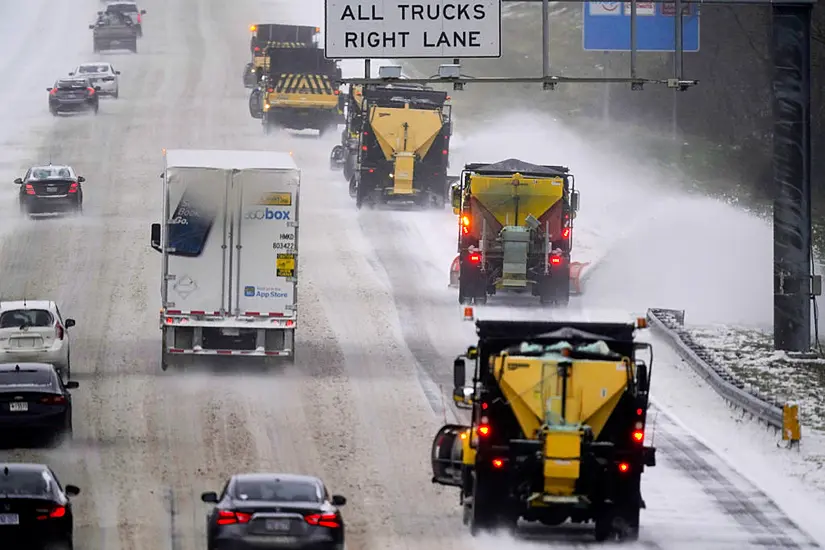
(371, 170)
(555, 260)
(257, 48)
(53, 400)
(498, 463)
(484, 430)
(72, 189)
(53, 92)
(336, 92)
(56, 512)
(484, 406)
(91, 91)
(270, 90)
(228, 517)
(638, 436)
(443, 151)
(565, 233)
(474, 258)
(29, 189)
(363, 147)
(639, 412)
(138, 18)
(324, 520)
(624, 467)
(366, 133)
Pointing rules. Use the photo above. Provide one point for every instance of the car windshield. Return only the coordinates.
(92, 69)
(26, 484)
(15, 378)
(50, 172)
(277, 490)
(26, 317)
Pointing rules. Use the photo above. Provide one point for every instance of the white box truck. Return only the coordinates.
(229, 252)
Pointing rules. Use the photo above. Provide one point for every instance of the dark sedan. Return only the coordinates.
(272, 511)
(52, 188)
(73, 95)
(34, 398)
(35, 510)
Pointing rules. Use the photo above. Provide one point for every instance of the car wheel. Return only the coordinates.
(53, 111)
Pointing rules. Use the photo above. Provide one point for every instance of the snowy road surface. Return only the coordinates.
(379, 328)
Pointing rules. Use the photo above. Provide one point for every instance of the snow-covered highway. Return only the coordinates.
(379, 327)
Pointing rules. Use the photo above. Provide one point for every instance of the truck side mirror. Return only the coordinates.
(155, 239)
(455, 198)
(574, 201)
(459, 373)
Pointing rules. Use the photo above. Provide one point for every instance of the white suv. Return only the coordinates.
(101, 74)
(35, 331)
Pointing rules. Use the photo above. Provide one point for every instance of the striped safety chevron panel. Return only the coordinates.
(291, 83)
(272, 44)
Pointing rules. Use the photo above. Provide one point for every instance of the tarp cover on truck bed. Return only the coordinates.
(301, 34)
(510, 166)
(389, 96)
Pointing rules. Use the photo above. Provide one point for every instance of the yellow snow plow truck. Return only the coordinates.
(300, 90)
(515, 231)
(396, 145)
(267, 35)
(557, 428)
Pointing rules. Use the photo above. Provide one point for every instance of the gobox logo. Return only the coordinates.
(267, 214)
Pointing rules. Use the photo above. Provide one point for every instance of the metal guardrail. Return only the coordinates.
(669, 323)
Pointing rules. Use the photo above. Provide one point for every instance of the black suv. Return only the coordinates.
(73, 94)
(47, 189)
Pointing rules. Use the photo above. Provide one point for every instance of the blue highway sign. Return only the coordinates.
(607, 26)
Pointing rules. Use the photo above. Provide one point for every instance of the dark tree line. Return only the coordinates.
(732, 105)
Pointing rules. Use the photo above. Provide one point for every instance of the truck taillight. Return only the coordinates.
(624, 467)
(639, 433)
(565, 233)
(465, 224)
(474, 258)
(498, 463)
(555, 260)
(484, 430)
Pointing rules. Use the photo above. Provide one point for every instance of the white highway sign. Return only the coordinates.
(393, 29)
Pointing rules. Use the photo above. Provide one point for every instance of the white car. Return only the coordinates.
(35, 331)
(101, 74)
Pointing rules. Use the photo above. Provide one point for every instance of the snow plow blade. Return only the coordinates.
(577, 269)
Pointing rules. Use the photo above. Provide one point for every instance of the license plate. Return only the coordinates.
(277, 525)
(19, 407)
(9, 519)
(231, 331)
(283, 540)
(24, 342)
(51, 188)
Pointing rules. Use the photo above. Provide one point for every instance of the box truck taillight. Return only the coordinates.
(474, 258)
(555, 260)
(624, 467)
(565, 233)
(498, 463)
